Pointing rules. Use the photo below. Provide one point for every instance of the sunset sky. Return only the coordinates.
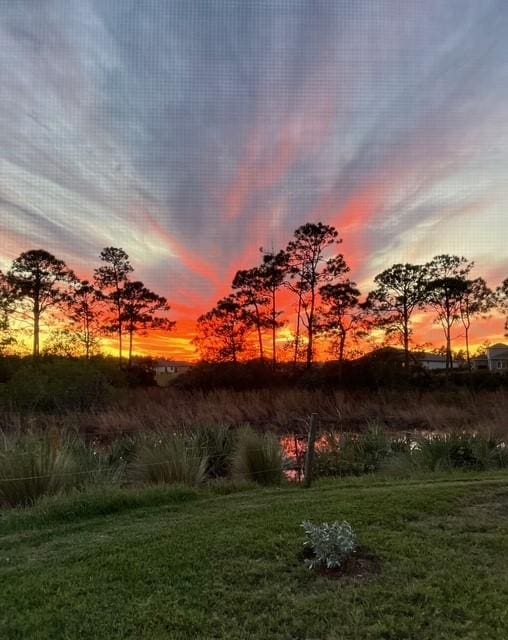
(192, 132)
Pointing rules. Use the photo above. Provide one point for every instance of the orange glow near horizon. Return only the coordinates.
(177, 345)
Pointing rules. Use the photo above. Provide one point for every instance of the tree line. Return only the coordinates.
(310, 272)
(328, 305)
(39, 286)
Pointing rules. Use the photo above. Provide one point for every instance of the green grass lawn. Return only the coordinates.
(169, 563)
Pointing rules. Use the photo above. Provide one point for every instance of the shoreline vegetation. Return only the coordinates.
(152, 435)
(67, 424)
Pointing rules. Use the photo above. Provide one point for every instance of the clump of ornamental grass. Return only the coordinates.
(330, 544)
(446, 452)
(97, 465)
(172, 458)
(257, 458)
(442, 452)
(33, 465)
(345, 454)
(217, 442)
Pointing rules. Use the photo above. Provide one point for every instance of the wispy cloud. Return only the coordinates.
(191, 133)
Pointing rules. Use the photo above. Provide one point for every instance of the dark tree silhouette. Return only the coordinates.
(446, 286)
(250, 293)
(502, 302)
(222, 332)
(309, 268)
(273, 273)
(477, 300)
(341, 313)
(111, 279)
(38, 282)
(6, 310)
(140, 307)
(84, 310)
(400, 291)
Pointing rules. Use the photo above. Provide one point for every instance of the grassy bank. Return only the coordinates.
(186, 563)
(282, 410)
(38, 464)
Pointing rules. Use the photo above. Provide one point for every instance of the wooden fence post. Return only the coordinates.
(309, 456)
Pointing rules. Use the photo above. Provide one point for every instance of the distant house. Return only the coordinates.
(494, 359)
(167, 370)
(431, 361)
(497, 356)
(480, 363)
(396, 357)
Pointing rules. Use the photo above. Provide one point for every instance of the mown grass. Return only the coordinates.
(182, 563)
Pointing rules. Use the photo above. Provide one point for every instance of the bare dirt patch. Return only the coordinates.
(362, 564)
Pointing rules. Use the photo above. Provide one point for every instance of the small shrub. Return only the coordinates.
(331, 543)
(257, 457)
(96, 465)
(217, 443)
(356, 454)
(172, 458)
(457, 451)
(122, 451)
(500, 455)
(33, 465)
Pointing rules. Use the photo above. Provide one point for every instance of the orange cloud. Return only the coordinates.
(352, 218)
(267, 163)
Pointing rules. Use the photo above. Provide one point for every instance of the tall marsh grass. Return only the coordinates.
(218, 444)
(257, 458)
(281, 410)
(33, 465)
(171, 458)
(442, 452)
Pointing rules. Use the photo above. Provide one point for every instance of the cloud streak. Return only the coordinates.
(190, 133)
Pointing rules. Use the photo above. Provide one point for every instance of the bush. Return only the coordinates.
(455, 451)
(170, 458)
(337, 456)
(56, 386)
(217, 443)
(96, 465)
(33, 465)
(257, 457)
(244, 376)
(357, 454)
(331, 544)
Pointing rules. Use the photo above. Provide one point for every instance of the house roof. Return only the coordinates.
(498, 345)
(431, 357)
(172, 363)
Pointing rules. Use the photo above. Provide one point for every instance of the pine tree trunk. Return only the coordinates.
(119, 319)
(36, 347)
(274, 318)
(130, 346)
(468, 358)
(310, 331)
(406, 347)
(260, 337)
(449, 360)
(297, 336)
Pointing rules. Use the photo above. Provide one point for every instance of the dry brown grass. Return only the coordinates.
(284, 411)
